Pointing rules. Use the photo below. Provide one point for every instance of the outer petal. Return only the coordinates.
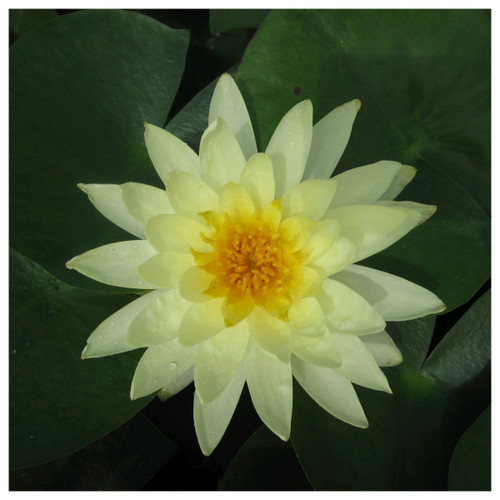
(289, 146)
(144, 202)
(109, 337)
(189, 195)
(211, 419)
(346, 311)
(402, 178)
(159, 321)
(383, 349)
(396, 299)
(176, 233)
(331, 391)
(227, 103)
(160, 366)
(330, 137)
(164, 270)
(319, 351)
(425, 211)
(358, 365)
(168, 153)
(115, 264)
(177, 385)
(258, 179)
(270, 384)
(220, 155)
(309, 198)
(218, 359)
(367, 184)
(202, 321)
(108, 199)
(372, 228)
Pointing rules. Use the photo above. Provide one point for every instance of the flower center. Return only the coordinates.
(248, 260)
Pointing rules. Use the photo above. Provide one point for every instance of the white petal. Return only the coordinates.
(306, 317)
(331, 391)
(372, 228)
(425, 211)
(289, 146)
(227, 103)
(401, 179)
(177, 385)
(258, 179)
(189, 195)
(319, 351)
(211, 419)
(143, 201)
(168, 153)
(270, 384)
(395, 298)
(309, 198)
(159, 321)
(330, 137)
(358, 365)
(161, 365)
(202, 321)
(367, 184)
(115, 264)
(220, 155)
(348, 312)
(383, 349)
(217, 360)
(109, 337)
(164, 270)
(108, 199)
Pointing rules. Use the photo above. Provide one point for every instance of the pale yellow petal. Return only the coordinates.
(321, 240)
(258, 179)
(304, 282)
(227, 103)
(236, 203)
(116, 264)
(296, 231)
(289, 146)
(168, 153)
(272, 334)
(331, 391)
(165, 269)
(341, 253)
(234, 312)
(319, 351)
(383, 349)
(306, 317)
(358, 365)
(221, 158)
(176, 386)
(159, 321)
(218, 359)
(190, 196)
(270, 384)
(405, 174)
(346, 311)
(309, 198)
(202, 321)
(330, 137)
(176, 233)
(159, 366)
(194, 282)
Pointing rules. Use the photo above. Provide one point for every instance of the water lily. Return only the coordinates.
(249, 263)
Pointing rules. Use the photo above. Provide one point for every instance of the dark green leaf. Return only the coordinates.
(229, 19)
(125, 459)
(23, 20)
(265, 462)
(412, 432)
(423, 78)
(59, 403)
(470, 466)
(80, 89)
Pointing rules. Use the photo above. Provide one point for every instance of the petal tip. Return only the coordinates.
(83, 187)
(357, 104)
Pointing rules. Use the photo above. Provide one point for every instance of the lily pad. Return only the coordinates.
(230, 19)
(81, 87)
(423, 79)
(58, 402)
(412, 432)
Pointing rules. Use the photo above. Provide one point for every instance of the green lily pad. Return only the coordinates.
(470, 466)
(412, 432)
(230, 19)
(58, 402)
(423, 79)
(81, 87)
(23, 20)
(126, 459)
(265, 462)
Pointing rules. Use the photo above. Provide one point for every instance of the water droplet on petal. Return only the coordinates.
(140, 282)
(172, 365)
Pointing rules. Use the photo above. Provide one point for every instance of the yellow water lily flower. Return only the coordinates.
(250, 263)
